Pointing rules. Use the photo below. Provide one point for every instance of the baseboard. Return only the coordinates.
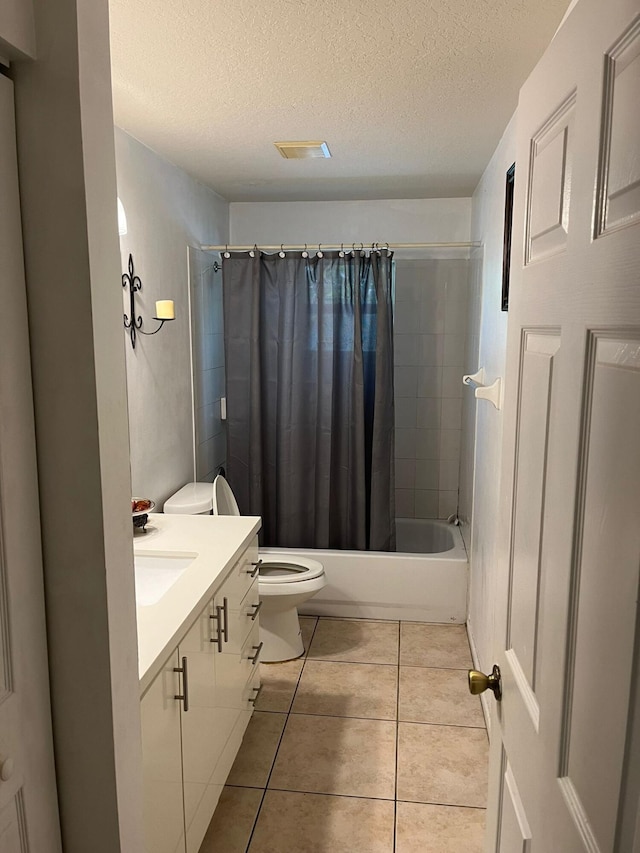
(484, 700)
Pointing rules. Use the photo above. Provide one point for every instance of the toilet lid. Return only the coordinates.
(224, 502)
(287, 571)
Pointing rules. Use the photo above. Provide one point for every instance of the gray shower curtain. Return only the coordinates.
(309, 385)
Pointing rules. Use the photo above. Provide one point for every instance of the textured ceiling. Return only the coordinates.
(412, 96)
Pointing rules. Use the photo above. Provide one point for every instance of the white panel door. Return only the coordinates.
(28, 801)
(564, 768)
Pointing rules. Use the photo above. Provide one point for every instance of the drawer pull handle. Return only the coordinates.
(256, 568)
(254, 658)
(256, 610)
(225, 624)
(185, 684)
(218, 637)
(258, 691)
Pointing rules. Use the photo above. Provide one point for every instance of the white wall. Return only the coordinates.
(482, 423)
(67, 192)
(167, 211)
(401, 221)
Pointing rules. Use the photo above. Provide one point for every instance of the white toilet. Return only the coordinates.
(283, 584)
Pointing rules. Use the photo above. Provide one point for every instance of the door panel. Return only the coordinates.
(619, 185)
(607, 557)
(515, 835)
(28, 801)
(539, 348)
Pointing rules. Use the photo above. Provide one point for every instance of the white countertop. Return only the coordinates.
(217, 542)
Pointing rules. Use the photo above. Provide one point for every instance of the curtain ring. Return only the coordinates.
(253, 251)
(341, 252)
(320, 252)
(387, 247)
(281, 252)
(362, 250)
(305, 254)
(226, 251)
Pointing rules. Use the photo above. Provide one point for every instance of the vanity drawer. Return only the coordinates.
(236, 621)
(242, 575)
(234, 669)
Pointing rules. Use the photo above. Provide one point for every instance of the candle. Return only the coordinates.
(165, 310)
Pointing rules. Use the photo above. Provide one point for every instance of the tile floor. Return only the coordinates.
(370, 743)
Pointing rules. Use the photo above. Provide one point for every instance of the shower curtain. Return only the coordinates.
(309, 385)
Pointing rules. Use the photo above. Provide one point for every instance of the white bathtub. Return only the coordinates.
(421, 587)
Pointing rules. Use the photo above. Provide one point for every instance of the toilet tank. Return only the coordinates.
(192, 499)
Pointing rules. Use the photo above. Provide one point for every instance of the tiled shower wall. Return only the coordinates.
(210, 447)
(429, 331)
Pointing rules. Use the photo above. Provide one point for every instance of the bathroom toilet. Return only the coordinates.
(283, 584)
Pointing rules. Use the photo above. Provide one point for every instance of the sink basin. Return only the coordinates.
(156, 573)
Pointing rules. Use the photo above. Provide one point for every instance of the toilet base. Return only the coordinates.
(281, 635)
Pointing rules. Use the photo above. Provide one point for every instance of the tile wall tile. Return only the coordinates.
(450, 444)
(427, 473)
(428, 412)
(429, 381)
(405, 443)
(448, 475)
(405, 412)
(427, 444)
(406, 349)
(405, 381)
(426, 503)
(405, 502)
(452, 413)
(406, 318)
(447, 503)
(405, 474)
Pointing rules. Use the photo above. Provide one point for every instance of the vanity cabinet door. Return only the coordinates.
(162, 762)
(205, 727)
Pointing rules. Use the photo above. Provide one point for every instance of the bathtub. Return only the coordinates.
(430, 586)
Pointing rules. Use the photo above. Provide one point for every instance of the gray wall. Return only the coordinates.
(167, 212)
(430, 331)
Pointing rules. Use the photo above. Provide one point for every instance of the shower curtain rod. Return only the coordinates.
(312, 247)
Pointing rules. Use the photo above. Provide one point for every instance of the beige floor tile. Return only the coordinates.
(315, 823)
(355, 641)
(348, 690)
(254, 760)
(337, 755)
(307, 626)
(434, 645)
(437, 696)
(231, 825)
(424, 828)
(279, 682)
(442, 764)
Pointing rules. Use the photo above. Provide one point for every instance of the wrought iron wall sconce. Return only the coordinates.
(164, 308)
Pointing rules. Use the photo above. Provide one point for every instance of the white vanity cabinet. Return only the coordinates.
(195, 712)
(162, 762)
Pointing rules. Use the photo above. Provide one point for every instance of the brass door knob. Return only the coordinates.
(479, 682)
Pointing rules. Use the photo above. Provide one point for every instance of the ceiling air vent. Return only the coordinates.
(302, 150)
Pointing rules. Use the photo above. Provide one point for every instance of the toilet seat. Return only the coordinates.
(289, 571)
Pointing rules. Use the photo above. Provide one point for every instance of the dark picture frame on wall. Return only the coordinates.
(508, 225)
